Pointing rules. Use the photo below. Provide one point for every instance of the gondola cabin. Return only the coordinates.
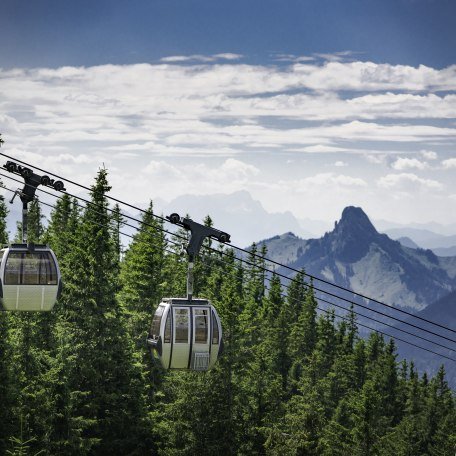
(30, 278)
(186, 334)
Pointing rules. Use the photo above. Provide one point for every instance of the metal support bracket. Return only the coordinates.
(27, 194)
(198, 233)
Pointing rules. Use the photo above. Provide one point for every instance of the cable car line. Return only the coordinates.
(273, 262)
(382, 332)
(343, 288)
(363, 325)
(259, 256)
(262, 268)
(292, 279)
(355, 312)
(252, 264)
(387, 324)
(289, 297)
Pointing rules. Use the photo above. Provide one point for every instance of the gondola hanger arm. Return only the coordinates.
(198, 233)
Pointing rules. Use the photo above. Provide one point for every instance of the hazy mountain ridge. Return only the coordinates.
(247, 220)
(356, 256)
(237, 213)
(441, 245)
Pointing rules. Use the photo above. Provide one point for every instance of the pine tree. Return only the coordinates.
(141, 289)
(142, 278)
(303, 332)
(101, 377)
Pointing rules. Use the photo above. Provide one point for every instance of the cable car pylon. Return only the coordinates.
(30, 278)
(186, 333)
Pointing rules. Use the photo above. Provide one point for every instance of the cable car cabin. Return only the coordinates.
(186, 334)
(30, 278)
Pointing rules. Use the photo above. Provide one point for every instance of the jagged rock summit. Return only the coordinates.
(352, 235)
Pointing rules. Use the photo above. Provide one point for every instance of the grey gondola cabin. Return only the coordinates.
(30, 278)
(186, 334)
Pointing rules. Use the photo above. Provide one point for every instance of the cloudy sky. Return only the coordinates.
(309, 105)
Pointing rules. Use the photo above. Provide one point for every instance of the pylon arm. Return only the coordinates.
(198, 233)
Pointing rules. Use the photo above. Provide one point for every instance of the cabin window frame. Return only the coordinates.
(215, 329)
(167, 330)
(176, 330)
(156, 323)
(45, 272)
(206, 316)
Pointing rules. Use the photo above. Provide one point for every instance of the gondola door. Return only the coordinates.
(181, 338)
(201, 347)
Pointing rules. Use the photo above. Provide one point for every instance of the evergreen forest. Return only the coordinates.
(291, 381)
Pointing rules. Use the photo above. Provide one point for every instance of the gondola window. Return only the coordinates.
(201, 326)
(181, 325)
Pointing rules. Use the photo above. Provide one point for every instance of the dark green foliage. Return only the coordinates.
(291, 381)
(104, 373)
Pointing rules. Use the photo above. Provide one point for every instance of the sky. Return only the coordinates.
(308, 105)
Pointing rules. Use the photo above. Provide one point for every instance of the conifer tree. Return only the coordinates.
(141, 289)
(303, 332)
(103, 380)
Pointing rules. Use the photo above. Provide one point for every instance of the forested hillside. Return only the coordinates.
(291, 381)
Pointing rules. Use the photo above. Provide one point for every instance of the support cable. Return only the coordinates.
(333, 295)
(278, 264)
(287, 297)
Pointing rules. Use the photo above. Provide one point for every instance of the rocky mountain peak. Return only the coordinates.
(355, 220)
(352, 235)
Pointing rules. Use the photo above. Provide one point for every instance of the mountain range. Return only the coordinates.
(238, 214)
(356, 256)
(247, 220)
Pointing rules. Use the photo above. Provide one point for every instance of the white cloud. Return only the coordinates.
(407, 182)
(329, 179)
(293, 58)
(237, 168)
(163, 170)
(172, 180)
(318, 148)
(335, 56)
(340, 164)
(147, 123)
(186, 58)
(408, 163)
(211, 108)
(228, 56)
(449, 163)
(429, 154)
(375, 159)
